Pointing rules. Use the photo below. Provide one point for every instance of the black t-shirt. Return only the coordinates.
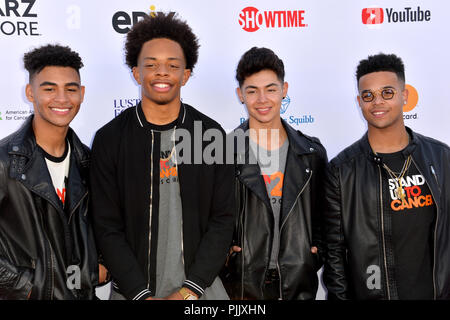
(412, 229)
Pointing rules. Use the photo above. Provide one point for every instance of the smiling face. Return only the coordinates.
(381, 113)
(262, 93)
(161, 71)
(56, 94)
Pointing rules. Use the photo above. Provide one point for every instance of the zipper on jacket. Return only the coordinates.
(242, 247)
(301, 191)
(52, 258)
(435, 177)
(76, 207)
(48, 292)
(179, 186)
(435, 225)
(382, 235)
(281, 229)
(151, 206)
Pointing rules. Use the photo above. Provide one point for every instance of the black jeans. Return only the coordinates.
(272, 285)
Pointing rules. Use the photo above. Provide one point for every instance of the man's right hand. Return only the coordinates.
(235, 249)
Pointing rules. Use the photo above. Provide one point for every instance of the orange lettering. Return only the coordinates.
(164, 173)
(277, 190)
(421, 201)
(394, 207)
(414, 202)
(406, 204)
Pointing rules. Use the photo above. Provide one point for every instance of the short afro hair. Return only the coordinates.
(381, 62)
(51, 55)
(159, 26)
(258, 59)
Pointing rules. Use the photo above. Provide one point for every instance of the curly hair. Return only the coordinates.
(51, 55)
(161, 25)
(258, 59)
(381, 62)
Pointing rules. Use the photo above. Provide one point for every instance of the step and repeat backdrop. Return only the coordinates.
(320, 42)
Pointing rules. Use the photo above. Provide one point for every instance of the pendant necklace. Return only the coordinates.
(398, 179)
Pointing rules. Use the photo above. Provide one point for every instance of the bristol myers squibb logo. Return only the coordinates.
(285, 104)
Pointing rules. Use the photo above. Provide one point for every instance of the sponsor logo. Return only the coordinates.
(293, 120)
(121, 105)
(251, 19)
(413, 99)
(285, 104)
(18, 18)
(372, 16)
(376, 16)
(15, 115)
(122, 21)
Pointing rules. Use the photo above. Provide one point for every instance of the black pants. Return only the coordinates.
(272, 285)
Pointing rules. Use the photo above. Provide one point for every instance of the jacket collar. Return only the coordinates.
(297, 143)
(143, 123)
(295, 171)
(29, 167)
(23, 142)
(367, 149)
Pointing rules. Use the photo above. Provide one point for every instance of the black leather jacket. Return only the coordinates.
(299, 224)
(36, 235)
(357, 231)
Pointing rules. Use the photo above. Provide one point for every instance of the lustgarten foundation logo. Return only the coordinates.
(251, 19)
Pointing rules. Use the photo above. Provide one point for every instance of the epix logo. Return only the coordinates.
(372, 15)
(122, 21)
(251, 19)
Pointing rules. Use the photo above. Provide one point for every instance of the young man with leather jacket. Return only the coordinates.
(276, 249)
(47, 246)
(163, 225)
(387, 222)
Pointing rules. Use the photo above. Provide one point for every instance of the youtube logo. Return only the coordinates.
(372, 15)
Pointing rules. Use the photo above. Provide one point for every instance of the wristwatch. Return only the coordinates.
(186, 294)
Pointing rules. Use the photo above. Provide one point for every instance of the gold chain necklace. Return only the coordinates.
(398, 179)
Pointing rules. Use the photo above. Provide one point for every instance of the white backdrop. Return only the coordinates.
(320, 42)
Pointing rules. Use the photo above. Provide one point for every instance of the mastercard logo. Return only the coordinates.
(413, 98)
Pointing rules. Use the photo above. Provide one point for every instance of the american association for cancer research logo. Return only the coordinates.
(15, 114)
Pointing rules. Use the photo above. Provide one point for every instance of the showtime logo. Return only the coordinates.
(251, 19)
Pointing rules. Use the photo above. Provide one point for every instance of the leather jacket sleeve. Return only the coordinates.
(15, 282)
(334, 274)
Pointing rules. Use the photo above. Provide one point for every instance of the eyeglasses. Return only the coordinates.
(386, 94)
